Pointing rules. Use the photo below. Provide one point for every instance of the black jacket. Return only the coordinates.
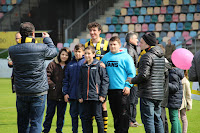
(151, 78)
(29, 66)
(133, 53)
(175, 88)
(94, 81)
(194, 71)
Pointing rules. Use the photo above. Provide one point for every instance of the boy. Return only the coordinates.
(71, 85)
(94, 84)
(119, 66)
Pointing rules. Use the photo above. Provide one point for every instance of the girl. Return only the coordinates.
(55, 98)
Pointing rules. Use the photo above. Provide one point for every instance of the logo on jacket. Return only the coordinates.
(112, 64)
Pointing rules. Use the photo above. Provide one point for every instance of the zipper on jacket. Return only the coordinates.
(88, 82)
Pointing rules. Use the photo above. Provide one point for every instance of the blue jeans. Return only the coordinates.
(30, 110)
(151, 115)
(76, 109)
(51, 107)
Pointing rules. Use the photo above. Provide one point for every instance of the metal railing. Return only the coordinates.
(90, 15)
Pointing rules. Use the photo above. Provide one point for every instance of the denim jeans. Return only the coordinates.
(51, 108)
(76, 109)
(133, 103)
(30, 110)
(151, 115)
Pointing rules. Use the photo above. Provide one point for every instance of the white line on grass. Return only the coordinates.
(8, 108)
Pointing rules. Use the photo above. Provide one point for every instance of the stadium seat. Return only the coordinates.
(71, 47)
(186, 2)
(10, 7)
(193, 1)
(170, 9)
(158, 27)
(195, 25)
(191, 8)
(122, 35)
(130, 11)
(163, 10)
(151, 27)
(124, 28)
(173, 40)
(105, 28)
(108, 35)
(76, 40)
(138, 3)
(182, 39)
(123, 11)
(163, 34)
(114, 20)
(168, 18)
(8, 2)
(182, 17)
(69, 41)
(185, 33)
(1, 15)
(154, 18)
(163, 43)
(140, 19)
(147, 19)
(131, 27)
(145, 3)
(165, 2)
(188, 42)
(184, 9)
(179, 26)
(165, 27)
(111, 28)
(108, 20)
(161, 18)
(59, 46)
(145, 27)
(172, 26)
(157, 34)
(138, 28)
(121, 20)
(177, 9)
(127, 19)
(3, 2)
(156, 10)
(126, 4)
(4, 8)
(19, 1)
(198, 8)
(141, 34)
(197, 16)
(179, 2)
(159, 39)
(187, 26)
(67, 45)
(132, 3)
(134, 19)
(177, 44)
(103, 35)
(82, 41)
(170, 34)
(118, 28)
(152, 3)
(143, 11)
(189, 17)
(165, 39)
(136, 11)
(178, 34)
(175, 18)
(158, 2)
(172, 2)
(150, 10)
(14, 2)
(117, 12)
(115, 34)
(193, 33)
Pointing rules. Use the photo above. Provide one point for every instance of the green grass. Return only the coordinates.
(3, 55)
(8, 115)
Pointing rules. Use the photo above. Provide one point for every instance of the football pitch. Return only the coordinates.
(8, 115)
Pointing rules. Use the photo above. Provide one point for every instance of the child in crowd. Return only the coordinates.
(55, 99)
(175, 98)
(94, 84)
(186, 101)
(71, 85)
(119, 66)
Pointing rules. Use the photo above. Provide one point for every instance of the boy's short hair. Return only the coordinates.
(115, 38)
(79, 46)
(93, 25)
(90, 48)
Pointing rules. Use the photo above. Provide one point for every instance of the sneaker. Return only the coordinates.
(135, 124)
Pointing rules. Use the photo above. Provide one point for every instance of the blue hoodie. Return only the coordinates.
(119, 66)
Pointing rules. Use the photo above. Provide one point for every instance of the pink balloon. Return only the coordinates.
(182, 58)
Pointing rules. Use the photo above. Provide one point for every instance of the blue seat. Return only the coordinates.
(163, 34)
(147, 19)
(180, 26)
(8, 2)
(70, 41)
(172, 26)
(191, 8)
(108, 20)
(111, 28)
(186, 1)
(10, 7)
(82, 41)
(117, 12)
(151, 27)
(181, 38)
(198, 8)
(140, 19)
(141, 34)
(187, 26)
(114, 20)
(102, 35)
(159, 39)
(130, 11)
(67, 45)
(122, 35)
(170, 9)
(198, 1)
(124, 28)
(172, 2)
(122, 42)
(19, 1)
(178, 34)
(165, 27)
(143, 11)
(163, 43)
(173, 40)
(4, 8)
(154, 18)
(152, 3)
(177, 43)
(158, 2)
(189, 17)
(118, 28)
(184, 9)
(132, 3)
(136, 11)
(193, 33)
(168, 18)
(145, 3)
(121, 20)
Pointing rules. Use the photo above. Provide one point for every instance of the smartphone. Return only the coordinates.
(38, 34)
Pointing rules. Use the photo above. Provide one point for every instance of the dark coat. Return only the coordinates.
(150, 78)
(29, 66)
(175, 88)
(133, 53)
(55, 74)
(194, 71)
(94, 81)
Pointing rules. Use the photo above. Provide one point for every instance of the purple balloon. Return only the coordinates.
(182, 58)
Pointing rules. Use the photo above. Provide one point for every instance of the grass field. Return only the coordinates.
(8, 115)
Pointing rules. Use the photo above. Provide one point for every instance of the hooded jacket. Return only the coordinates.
(29, 66)
(151, 78)
(175, 88)
(94, 81)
